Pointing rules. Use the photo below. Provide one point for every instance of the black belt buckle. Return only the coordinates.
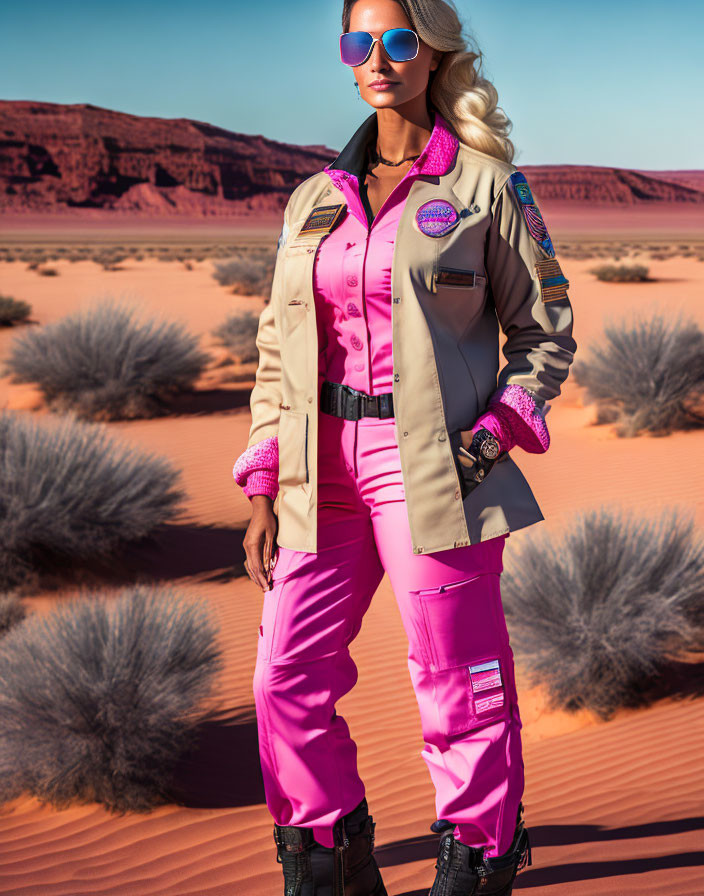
(371, 405)
(352, 405)
(385, 404)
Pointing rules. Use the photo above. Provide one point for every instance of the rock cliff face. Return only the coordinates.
(609, 186)
(56, 156)
(71, 158)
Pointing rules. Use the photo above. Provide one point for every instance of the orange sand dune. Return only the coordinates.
(613, 808)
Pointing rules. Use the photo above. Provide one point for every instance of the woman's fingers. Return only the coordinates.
(252, 570)
(254, 566)
(259, 545)
(267, 550)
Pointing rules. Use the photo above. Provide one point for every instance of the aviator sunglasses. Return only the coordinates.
(401, 45)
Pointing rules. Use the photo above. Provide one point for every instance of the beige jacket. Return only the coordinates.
(445, 350)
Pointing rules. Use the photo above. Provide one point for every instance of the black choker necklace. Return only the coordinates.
(377, 159)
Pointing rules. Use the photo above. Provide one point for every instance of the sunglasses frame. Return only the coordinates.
(381, 39)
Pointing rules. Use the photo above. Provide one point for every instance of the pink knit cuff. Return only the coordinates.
(498, 426)
(257, 469)
(514, 419)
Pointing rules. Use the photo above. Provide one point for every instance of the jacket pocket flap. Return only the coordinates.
(445, 276)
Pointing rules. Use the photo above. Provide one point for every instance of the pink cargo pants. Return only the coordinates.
(459, 657)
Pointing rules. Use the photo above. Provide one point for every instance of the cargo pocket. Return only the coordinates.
(462, 644)
(293, 447)
(282, 570)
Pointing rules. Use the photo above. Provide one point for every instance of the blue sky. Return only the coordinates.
(595, 83)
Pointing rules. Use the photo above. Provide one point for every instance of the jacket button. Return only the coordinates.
(457, 494)
(396, 377)
(397, 300)
(310, 399)
(405, 433)
(442, 437)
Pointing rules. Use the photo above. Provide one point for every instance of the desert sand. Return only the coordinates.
(612, 807)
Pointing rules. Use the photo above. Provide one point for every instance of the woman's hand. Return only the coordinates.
(466, 435)
(260, 541)
(473, 464)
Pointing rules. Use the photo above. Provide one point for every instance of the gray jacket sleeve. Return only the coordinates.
(529, 292)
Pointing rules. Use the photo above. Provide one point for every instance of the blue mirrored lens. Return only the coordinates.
(354, 46)
(401, 44)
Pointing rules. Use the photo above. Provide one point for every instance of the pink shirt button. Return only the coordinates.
(353, 310)
(352, 280)
(357, 342)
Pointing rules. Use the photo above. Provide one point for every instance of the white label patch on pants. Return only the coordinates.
(485, 676)
(492, 701)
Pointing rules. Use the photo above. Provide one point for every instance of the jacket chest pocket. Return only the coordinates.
(293, 447)
(294, 315)
(299, 258)
(458, 296)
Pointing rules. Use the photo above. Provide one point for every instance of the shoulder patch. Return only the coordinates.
(531, 212)
(553, 283)
(323, 218)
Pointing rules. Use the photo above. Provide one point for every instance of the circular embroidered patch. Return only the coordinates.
(437, 217)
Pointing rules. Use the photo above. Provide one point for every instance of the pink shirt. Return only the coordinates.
(352, 275)
(352, 290)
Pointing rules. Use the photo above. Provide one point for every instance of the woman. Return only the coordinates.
(391, 453)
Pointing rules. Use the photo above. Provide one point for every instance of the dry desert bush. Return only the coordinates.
(13, 310)
(248, 273)
(100, 697)
(110, 255)
(623, 273)
(110, 259)
(646, 377)
(238, 333)
(105, 366)
(12, 612)
(69, 492)
(597, 616)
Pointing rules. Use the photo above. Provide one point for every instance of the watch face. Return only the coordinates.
(490, 448)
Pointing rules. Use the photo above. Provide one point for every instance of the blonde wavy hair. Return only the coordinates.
(457, 89)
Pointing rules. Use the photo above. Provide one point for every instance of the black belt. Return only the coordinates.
(344, 401)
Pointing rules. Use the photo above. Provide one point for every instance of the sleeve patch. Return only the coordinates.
(531, 212)
(553, 283)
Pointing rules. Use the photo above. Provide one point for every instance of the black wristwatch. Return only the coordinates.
(479, 459)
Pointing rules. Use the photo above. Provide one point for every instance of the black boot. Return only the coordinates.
(463, 871)
(347, 869)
